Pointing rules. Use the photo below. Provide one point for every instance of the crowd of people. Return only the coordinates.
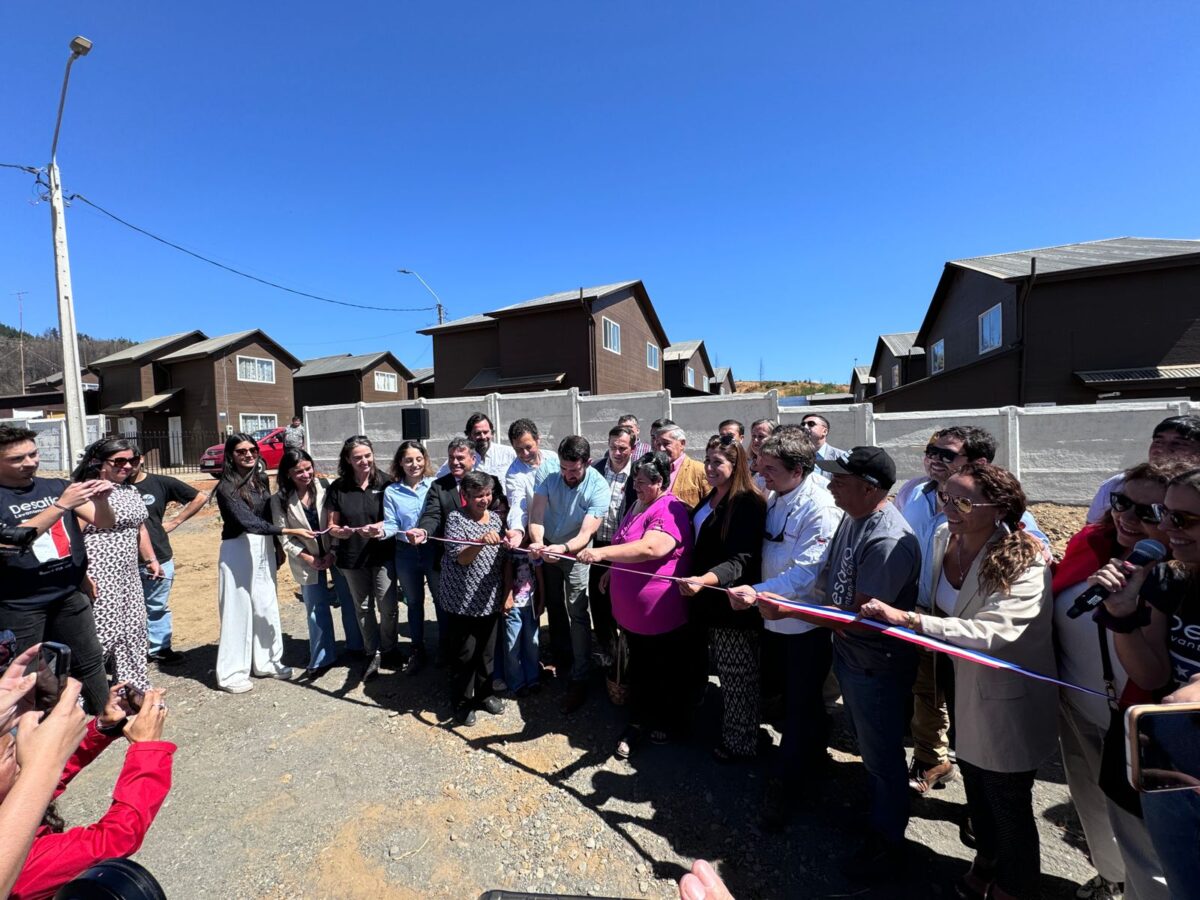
(660, 569)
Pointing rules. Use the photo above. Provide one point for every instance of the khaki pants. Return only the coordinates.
(931, 719)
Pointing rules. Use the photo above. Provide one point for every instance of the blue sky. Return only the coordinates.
(787, 179)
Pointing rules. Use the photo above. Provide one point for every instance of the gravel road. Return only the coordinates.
(340, 789)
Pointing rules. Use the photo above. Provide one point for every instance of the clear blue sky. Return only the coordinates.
(787, 179)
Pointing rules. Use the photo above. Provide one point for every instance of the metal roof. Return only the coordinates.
(1078, 257)
(681, 351)
(145, 348)
(481, 319)
(490, 378)
(863, 373)
(901, 343)
(211, 345)
(337, 365)
(1139, 373)
(422, 373)
(145, 405)
(590, 293)
(720, 373)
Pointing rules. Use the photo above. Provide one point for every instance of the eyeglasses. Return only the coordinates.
(1146, 512)
(1179, 518)
(253, 451)
(935, 452)
(120, 462)
(811, 423)
(727, 438)
(964, 505)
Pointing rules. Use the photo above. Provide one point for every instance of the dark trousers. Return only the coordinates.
(657, 679)
(1006, 837)
(600, 602)
(472, 641)
(805, 744)
(68, 621)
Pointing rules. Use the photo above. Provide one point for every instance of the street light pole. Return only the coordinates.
(440, 309)
(72, 388)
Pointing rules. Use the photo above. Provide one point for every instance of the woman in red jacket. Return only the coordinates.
(57, 856)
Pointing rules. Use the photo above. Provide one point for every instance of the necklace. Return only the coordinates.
(958, 557)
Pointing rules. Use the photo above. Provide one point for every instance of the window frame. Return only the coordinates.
(998, 309)
(610, 329)
(937, 353)
(689, 377)
(395, 389)
(274, 417)
(256, 359)
(652, 350)
(895, 375)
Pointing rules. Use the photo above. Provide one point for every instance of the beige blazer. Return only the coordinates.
(290, 514)
(1003, 722)
(691, 484)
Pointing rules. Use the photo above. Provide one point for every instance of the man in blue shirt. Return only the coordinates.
(568, 506)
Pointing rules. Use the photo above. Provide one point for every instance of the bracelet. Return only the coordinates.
(58, 505)
(1140, 618)
(912, 620)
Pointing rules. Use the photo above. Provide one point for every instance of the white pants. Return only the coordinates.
(251, 636)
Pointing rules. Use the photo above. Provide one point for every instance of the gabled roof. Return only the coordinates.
(347, 364)
(1072, 258)
(721, 373)
(863, 375)
(592, 293)
(213, 346)
(55, 380)
(145, 349)
(899, 344)
(477, 321)
(422, 375)
(681, 351)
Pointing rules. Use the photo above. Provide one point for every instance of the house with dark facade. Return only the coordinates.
(135, 387)
(363, 378)
(722, 381)
(862, 383)
(688, 371)
(898, 360)
(421, 384)
(600, 340)
(1102, 320)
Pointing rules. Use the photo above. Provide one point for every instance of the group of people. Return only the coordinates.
(661, 569)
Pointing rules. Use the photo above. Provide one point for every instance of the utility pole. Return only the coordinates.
(20, 295)
(72, 389)
(761, 371)
(441, 310)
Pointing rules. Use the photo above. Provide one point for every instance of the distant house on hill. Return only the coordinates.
(862, 383)
(601, 340)
(897, 361)
(688, 371)
(722, 381)
(364, 378)
(1077, 323)
(89, 380)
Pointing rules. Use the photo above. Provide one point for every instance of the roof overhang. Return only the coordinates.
(490, 379)
(149, 404)
(1141, 376)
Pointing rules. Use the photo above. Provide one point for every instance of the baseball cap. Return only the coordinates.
(871, 464)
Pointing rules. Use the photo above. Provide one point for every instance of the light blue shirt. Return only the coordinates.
(518, 487)
(566, 507)
(402, 505)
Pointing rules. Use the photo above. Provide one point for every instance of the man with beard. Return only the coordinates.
(490, 457)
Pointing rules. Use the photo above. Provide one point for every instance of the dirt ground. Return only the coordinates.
(340, 789)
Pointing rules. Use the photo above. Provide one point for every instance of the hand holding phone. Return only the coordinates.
(52, 666)
(1163, 753)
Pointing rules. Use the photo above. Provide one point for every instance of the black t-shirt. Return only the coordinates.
(1176, 592)
(157, 491)
(357, 507)
(53, 568)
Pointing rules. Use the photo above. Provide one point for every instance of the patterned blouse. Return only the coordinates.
(473, 590)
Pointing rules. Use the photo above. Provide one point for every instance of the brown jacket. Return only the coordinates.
(690, 484)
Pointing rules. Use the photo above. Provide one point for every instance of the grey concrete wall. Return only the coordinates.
(52, 438)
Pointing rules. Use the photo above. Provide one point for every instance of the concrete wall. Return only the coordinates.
(1061, 453)
(52, 439)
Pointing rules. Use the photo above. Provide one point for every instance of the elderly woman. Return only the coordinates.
(992, 593)
(654, 539)
(1118, 843)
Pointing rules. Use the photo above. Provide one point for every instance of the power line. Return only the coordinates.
(213, 262)
(32, 170)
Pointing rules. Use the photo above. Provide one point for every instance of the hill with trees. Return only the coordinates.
(43, 354)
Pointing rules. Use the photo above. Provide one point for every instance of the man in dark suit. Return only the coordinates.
(615, 466)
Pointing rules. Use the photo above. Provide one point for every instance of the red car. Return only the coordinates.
(270, 446)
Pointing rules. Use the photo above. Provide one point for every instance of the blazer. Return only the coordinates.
(289, 513)
(735, 559)
(691, 483)
(1004, 722)
(442, 499)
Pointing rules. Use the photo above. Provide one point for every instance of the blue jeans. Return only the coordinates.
(321, 649)
(414, 569)
(876, 704)
(520, 647)
(1173, 820)
(354, 641)
(158, 611)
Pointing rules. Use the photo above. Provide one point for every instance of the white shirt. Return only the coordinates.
(806, 517)
(518, 489)
(499, 458)
(1100, 508)
(826, 452)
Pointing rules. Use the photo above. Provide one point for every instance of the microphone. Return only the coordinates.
(1143, 552)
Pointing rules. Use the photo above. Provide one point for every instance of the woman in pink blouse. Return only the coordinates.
(655, 538)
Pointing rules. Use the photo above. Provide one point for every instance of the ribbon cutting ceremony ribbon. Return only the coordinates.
(840, 617)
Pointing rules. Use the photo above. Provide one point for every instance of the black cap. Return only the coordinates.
(871, 464)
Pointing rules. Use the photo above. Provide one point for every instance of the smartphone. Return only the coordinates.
(51, 665)
(8, 648)
(1163, 753)
(133, 697)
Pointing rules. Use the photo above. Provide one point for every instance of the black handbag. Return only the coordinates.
(1114, 778)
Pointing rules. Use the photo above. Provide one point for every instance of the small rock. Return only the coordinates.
(393, 852)
(590, 843)
(643, 887)
(453, 836)
(640, 868)
(540, 873)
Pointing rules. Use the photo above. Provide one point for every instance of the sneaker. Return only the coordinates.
(238, 687)
(166, 657)
(283, 673)
(492, 704)
(416, 662)
(1100, 888)
(373, 666)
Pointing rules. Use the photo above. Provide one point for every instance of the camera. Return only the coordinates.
(16, 539)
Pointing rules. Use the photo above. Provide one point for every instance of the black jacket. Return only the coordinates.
(442, 499)
(601, 466)
(735, 559)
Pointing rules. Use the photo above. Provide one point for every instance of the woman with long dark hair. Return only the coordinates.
(119, 606)
(251, 639)
(299, 501)
(403, 500)
(992, 593)
(729, 524)
(363, 555)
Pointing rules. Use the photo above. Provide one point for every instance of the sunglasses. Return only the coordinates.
(253, 451)
(726, 439)
(1146, 512)
(811, 424)
(964, 505)
(946, 456)
(120, 462)
(1179, 518)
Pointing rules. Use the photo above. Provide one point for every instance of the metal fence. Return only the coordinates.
(173, 452)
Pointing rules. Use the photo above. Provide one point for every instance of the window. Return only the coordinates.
(251, 368)
(127, 426)
(895, 375)
(990, 330)
(252, 422)
(652, 356)
(387, 381)
(690, 377)
(937, 357)
(612, 335)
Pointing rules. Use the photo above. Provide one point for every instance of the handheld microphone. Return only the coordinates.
(1143, 552)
